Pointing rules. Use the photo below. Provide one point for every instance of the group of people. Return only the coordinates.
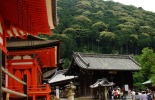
(118, 93)
(115, 94)
(141, 95)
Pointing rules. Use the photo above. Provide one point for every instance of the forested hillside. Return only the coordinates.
(100, 26)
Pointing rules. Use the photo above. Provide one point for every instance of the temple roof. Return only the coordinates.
(31, 42)
(23, 17)
(102, 82)
(49, 73)
(47, 52)
(59, 77)
(105, 62)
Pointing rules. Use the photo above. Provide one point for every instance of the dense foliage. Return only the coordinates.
(100, 26)
(147, 71)
(104, 27)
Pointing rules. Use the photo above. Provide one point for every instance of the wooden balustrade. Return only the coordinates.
(13, 92)
(14, 77)
(7, 92)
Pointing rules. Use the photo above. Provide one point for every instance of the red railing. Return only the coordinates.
(39, 88)
(32, 89)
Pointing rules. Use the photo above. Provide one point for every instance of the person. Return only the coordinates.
(118, 91)
(137, 96)
(133, 94)
(121, 94)
(115, 93)
(140, 95)
(129, 94)
(144, 96)
(109, 94)
(148, 92)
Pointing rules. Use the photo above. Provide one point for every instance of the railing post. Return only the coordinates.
(6, 96)
(25, 87)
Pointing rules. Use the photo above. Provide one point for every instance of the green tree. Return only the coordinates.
(138, 80)
(107, 35)
(98, 14)
(107, 39)
(67, 47)
(66, 63)
(83, 4)
(101, 26)
(147, 63)
(147, 71)
(144, 40)
(147, 29)
(127, 23)
(82, 19)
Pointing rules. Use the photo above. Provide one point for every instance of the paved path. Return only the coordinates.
(63, 98)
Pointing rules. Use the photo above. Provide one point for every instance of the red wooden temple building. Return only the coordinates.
(22, 52)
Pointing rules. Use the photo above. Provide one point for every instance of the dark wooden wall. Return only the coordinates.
(120, 78)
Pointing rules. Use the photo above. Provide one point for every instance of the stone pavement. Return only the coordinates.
(63, 99)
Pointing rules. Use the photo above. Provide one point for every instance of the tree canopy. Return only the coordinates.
(101, 26)
(105, 26)
(147, 71)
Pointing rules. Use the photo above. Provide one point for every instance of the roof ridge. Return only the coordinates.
(105, 55)
(82, 60)
(134, 61)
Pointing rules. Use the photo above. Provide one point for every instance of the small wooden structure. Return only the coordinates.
(102, 88)
(59, 80)
(33, 60)
(90, 67)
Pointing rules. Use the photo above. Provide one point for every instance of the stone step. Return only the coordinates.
(84, 98)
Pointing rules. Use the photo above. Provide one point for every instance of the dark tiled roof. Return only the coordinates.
(49, 73)
(31, 42)
(105, 62)
(102, 82)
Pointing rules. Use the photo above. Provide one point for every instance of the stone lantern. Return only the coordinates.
(70, 91)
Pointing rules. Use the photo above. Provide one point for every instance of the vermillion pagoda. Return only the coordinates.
(22, 53)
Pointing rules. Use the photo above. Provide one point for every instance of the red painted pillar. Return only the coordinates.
(47, 97)
(33, 78)
(34, 97)
(35, 73)
(10, 80)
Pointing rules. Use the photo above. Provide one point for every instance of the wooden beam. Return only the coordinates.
(13, 92)
(11, 75)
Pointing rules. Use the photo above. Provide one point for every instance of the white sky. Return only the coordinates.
(148, 5)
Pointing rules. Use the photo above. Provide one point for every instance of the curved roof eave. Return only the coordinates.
(32, 44)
